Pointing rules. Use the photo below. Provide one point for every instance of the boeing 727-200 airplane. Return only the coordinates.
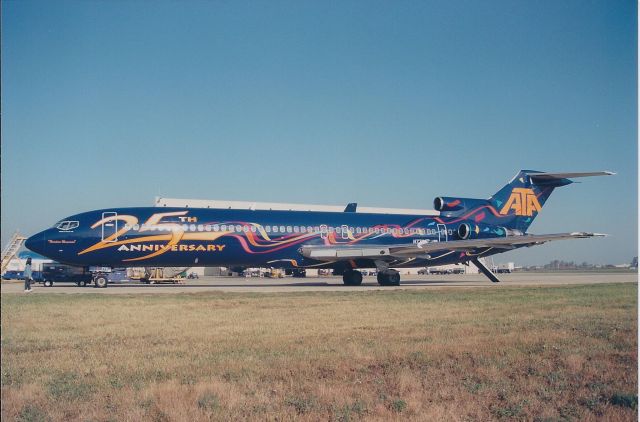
(465, 230)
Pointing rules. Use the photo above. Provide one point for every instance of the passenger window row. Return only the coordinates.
(238, 228)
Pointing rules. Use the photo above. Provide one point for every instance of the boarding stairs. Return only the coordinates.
(12, 248)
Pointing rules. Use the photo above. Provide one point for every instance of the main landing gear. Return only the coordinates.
(352, 278)
(389, 278)
(386, 277)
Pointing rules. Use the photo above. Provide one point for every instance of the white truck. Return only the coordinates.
(504, 268)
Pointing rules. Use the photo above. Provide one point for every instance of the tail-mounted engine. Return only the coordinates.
(464, 231)
(450, 206)
(474, 231)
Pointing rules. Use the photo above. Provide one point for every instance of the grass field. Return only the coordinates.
(562, 353)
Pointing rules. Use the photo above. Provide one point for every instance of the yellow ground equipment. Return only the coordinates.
(159, 275)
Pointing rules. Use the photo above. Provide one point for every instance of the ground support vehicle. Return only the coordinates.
(62, 273)
(159, 276)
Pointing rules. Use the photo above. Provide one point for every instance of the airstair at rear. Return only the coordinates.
(12, 248)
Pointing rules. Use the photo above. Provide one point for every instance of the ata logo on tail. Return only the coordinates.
(523, 201)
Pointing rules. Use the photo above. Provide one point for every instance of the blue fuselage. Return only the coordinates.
(147, 236)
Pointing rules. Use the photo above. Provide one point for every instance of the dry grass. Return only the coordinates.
(566, 353)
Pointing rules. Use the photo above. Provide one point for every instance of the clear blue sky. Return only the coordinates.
(385, 103)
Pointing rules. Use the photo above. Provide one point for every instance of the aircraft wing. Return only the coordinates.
(343, 252)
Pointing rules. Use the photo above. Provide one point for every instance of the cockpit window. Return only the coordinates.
(67, 225)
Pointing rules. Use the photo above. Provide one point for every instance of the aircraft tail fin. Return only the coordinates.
(518, 203)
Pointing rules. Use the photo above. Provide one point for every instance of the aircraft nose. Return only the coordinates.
(36, 243)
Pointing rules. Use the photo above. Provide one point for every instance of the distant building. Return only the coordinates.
(272, 206)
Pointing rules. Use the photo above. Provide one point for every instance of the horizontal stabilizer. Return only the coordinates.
(548, 177)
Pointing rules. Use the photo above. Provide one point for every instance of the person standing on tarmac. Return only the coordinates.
(28, 276)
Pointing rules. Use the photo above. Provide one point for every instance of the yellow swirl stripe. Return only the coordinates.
(155, 238)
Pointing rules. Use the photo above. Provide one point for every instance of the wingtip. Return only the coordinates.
(587, 234)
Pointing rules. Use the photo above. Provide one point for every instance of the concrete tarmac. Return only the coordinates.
(324, 284)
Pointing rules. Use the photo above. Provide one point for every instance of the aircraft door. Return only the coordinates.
(324, 231)
(442, 233)
(109, 228)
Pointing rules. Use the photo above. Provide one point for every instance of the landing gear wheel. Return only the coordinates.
(48, 283)
(100, 282)
(82, 283)
(394, 279)
(352, 278)
(389, 278)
